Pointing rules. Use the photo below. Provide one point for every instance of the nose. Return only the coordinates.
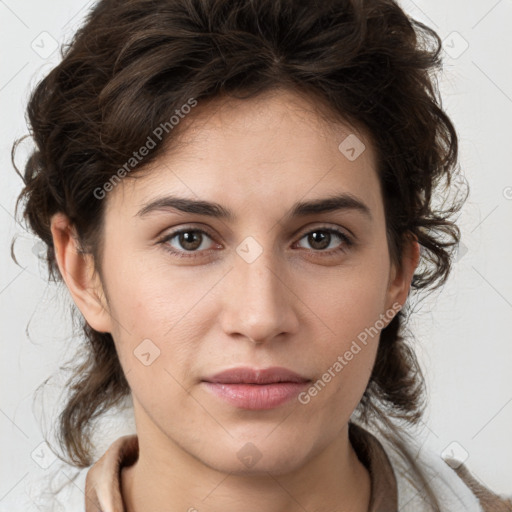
(259, 303)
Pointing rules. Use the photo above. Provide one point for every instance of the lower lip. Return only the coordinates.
(256, 396)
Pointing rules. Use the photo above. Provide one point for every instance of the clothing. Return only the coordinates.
(392, 486)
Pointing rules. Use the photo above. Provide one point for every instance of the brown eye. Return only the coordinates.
(320, 239)
(190, 240)
(186, 241)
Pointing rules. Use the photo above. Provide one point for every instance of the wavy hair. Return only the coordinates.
(133, 63)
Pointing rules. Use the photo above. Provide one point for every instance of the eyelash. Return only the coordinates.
(347, 241)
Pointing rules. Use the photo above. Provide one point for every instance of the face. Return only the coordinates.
(266, 286)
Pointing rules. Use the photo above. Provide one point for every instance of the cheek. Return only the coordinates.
(346, 355)
(347, 303)
(161, 319)
(350, 314)
(151, 299)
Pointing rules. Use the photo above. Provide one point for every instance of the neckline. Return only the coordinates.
(371, 453)
(125, 452)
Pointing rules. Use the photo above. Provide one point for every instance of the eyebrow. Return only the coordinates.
(341, 202)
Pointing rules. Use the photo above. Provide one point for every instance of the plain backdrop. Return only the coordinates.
(463, 334)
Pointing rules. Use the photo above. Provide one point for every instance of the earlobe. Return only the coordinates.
(77, 270)
(400, 279)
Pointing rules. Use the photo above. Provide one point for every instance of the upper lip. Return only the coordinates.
(246, 375)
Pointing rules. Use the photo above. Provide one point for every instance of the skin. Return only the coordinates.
(294, 306)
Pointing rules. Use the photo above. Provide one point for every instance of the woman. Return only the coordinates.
(237, 195)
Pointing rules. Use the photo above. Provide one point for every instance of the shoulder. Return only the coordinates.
(102, 483)
(422, 474)
(489, 500)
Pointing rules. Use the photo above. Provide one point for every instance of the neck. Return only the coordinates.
(334, 479)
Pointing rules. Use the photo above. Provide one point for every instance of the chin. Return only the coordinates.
(258, 457)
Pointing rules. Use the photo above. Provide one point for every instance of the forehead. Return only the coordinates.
(269, 150)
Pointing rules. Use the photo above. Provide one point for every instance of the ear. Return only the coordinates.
(400, 278)
(77, 270)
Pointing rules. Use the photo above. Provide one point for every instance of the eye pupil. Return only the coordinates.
(323, 236)
(189, 239)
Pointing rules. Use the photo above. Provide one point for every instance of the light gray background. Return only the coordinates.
(464, 335)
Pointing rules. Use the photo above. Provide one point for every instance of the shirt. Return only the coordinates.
(391, 486)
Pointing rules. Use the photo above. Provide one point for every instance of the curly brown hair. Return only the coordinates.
(133, 63)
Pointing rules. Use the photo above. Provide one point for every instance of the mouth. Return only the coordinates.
(256, 389)
(247, 375)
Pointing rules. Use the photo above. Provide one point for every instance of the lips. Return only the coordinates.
(256, 389)
(247, 375)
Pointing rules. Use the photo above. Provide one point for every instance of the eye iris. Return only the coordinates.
(323, 236)
(190, 240)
